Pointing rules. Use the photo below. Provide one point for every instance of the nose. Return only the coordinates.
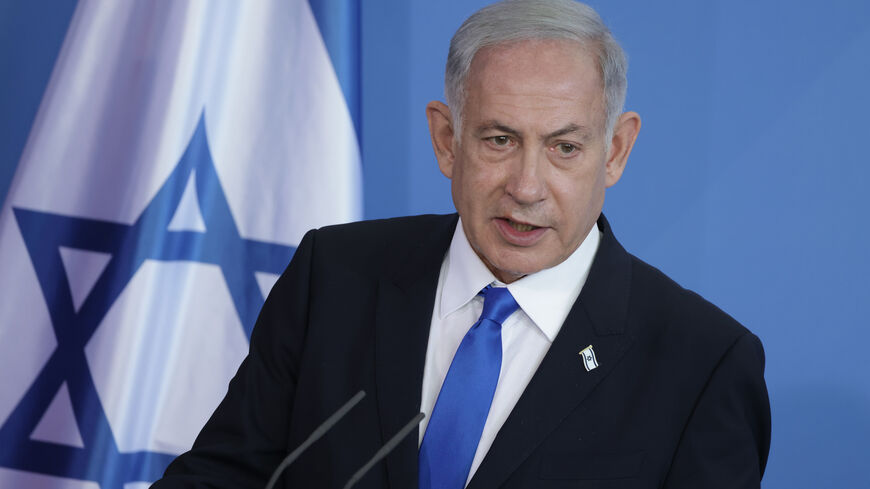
(525, 184)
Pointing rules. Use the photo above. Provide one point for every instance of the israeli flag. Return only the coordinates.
(180, 152)
(590, 361)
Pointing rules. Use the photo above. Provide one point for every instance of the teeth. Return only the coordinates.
(521, 227)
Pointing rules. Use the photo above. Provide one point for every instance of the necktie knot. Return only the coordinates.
(498, 304)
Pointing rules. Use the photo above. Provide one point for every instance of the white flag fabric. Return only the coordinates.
(180, 152)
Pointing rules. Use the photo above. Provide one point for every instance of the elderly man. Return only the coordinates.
(542, 354)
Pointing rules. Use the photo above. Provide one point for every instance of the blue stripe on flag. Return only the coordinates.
(339, 24)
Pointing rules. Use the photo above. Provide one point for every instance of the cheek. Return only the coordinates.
(465, 188)
(480, 180)
(580, 195)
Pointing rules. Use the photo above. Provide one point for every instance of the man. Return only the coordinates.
(584, 366)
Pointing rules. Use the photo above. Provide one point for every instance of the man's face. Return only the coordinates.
(529, 171)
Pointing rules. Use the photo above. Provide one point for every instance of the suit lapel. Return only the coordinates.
(406, 297)
(561, 383)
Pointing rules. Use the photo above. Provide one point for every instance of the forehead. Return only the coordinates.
(534, 79)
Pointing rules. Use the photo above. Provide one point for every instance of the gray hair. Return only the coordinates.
(521, 20)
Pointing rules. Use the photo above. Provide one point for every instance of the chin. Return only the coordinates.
(514, 269)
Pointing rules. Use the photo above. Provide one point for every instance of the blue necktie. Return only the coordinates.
(463, 404)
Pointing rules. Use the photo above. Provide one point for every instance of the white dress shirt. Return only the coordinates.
(545, 298)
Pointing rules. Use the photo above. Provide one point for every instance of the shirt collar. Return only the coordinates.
(545, 296)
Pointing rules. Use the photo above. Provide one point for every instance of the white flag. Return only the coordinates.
(180, 152)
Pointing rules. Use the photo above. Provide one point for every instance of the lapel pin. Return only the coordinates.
(589, 360)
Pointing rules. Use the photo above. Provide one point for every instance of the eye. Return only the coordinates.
(500, 141)
(566, 149)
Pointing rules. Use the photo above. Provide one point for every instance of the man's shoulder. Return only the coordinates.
(393, 225)
(671, 310)
(376, 242)
(656, 304)
(388, 233)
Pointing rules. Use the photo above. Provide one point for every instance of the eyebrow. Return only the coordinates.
(495, 125)
(582, 131)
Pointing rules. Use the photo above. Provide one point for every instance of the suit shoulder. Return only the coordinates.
(371, 243)
(390, 225)
(394, 231)
(681, 310)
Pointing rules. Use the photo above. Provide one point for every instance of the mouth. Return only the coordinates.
(521, 227)
(519, 233)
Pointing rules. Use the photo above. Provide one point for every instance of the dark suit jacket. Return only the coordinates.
(678, 400)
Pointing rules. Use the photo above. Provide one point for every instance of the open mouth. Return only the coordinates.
(520, 226)
(520, 233)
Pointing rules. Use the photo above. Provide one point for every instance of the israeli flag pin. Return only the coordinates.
(589, 360)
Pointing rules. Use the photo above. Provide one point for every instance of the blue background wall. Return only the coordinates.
(748, 183)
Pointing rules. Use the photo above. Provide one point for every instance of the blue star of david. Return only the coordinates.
(129, 246)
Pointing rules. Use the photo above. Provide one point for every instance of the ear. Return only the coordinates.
(441, 130)
(624, 136)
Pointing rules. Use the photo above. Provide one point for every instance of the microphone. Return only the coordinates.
(386, 449)
(316, 435)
